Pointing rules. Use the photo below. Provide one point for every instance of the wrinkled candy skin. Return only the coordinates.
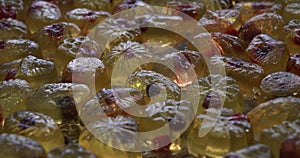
(279, 84)
(36, 126)
(71, 150)
(268, 52)
(266, 23)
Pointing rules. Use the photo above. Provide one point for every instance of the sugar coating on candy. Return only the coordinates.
(57, 98)
(194, 9)
(280, 84)
(36, 126)
(273, 112)
(13, 49)
(176, 114)
(109, 102)
(12, 28)
(258, 150)
(71, 150)
(275, 136)
(20, 146)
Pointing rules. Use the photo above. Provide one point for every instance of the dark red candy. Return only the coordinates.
(290, 147)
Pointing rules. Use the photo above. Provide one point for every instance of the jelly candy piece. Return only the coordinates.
(13, 49)
(58, 100)
(235, 132)
(86, 19)
(226, 21)
(154, 85)
(72, 48)
(274, 136)
(258, 150)
(20, 146)
(49, 37)
(119, 132)
(274, 112)
(42, 13)
(71, 150)
(280, 84)
(36, 126)
(266, 23)
(241, 71)
(271, 54)
(86, 70)
(14, 94)
(12, 28)
(224, 88)
(109, 102)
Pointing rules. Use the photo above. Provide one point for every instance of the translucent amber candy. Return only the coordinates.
(13, 49)
(274, 136)
(110, 102)
(19, 146)
(279, 84)
(41, 13)
(36, 126)
(119, 132)
(86, 19)
(71, 151)
(194, 9)
(226, 133)
(176, 114)
(219, 90)
(186, 66)
(293, 65)
(51, 36)
(266, 23)
(258, 150)
(113, 31)
(86, 70)
(12, 28)
(124, 58)
(291, 36)
(72, 48)
(247, 74)
(274, 112)
(230, 46)
(154, 24)
(268, 52)
(14, 94)
(225, 21)
(34, 70)
(250, 9)
(154, 86)
(58, 100)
